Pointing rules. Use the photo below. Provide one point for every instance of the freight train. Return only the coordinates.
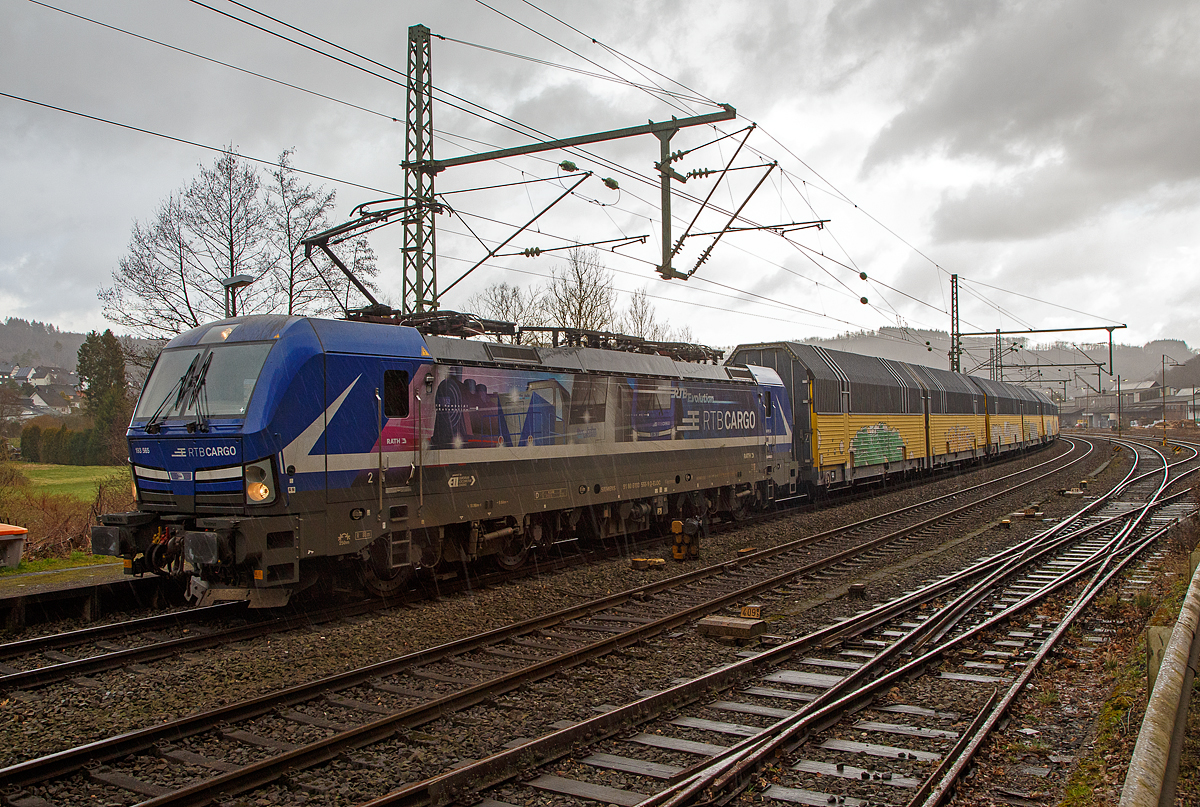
(271, 452)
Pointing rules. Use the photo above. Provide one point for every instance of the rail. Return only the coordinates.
(716, 779)
(64, 762)
(1154, 766)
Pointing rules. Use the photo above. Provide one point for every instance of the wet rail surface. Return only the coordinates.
(42, 660)
(414, 690)
(863, 712)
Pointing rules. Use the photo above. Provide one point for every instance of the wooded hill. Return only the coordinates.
(23, 342)
(31, 343)
(930, 348)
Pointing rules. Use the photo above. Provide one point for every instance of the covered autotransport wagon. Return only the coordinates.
(1013, 419)
(957, 423)
(863, 417)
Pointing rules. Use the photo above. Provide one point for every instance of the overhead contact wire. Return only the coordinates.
(211, 60)
(219, 150)
(579, 55)
(568, 68)
(613, 166)
(618, 54)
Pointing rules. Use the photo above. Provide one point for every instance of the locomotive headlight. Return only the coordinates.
(260, 484)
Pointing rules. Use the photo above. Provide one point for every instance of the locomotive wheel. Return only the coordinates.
(740, 508)
(513, 554)
(427, 544)
(377, 575)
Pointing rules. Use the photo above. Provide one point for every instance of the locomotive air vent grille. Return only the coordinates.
(513, 353)
(740, 373)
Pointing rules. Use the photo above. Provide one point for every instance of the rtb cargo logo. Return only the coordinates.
(204, 451)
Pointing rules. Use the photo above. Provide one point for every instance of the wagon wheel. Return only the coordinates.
(378, 576)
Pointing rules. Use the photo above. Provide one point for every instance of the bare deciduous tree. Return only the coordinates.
(139, 358)
(509, 303)
(224, 224)
(640, 320)
(170, 280)
(359, 258)
(580, 294)
(227, 220)
(294, 212)
(157, 290)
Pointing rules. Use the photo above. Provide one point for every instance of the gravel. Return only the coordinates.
(51, 719)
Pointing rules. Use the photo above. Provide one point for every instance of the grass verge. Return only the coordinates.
(1120, 715)
(72, 561)
(59, 523)
(80, 481)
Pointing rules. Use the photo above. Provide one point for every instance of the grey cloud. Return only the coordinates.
(875, 24)
(1080, 110)
(1046, 201)
(1087, 105)
(896, 42)
(1020, 83)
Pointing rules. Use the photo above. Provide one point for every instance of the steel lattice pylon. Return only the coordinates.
(955, 335)
(420, 264)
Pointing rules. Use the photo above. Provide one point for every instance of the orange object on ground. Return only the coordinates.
(12, 544)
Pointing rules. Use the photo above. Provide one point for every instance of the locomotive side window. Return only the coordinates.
(589, 399)
(395, 394)
(767, 404)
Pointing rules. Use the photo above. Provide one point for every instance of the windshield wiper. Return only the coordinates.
(200, 397)
(179, 390)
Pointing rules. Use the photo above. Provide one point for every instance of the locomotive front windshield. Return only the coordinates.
(218, 379)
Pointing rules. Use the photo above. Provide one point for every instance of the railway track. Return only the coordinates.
(372, 704)
(796, 708)
(40, 661)
(800, 702)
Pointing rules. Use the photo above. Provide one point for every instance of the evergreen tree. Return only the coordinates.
(107, 444)
(52, 444)
(31, 443)
(77, 453)
(97, 447)
(101, 368)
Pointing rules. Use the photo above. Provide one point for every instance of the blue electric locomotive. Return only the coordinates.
(267, 449)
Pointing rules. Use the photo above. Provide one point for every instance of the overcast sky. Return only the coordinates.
(1047, 152)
